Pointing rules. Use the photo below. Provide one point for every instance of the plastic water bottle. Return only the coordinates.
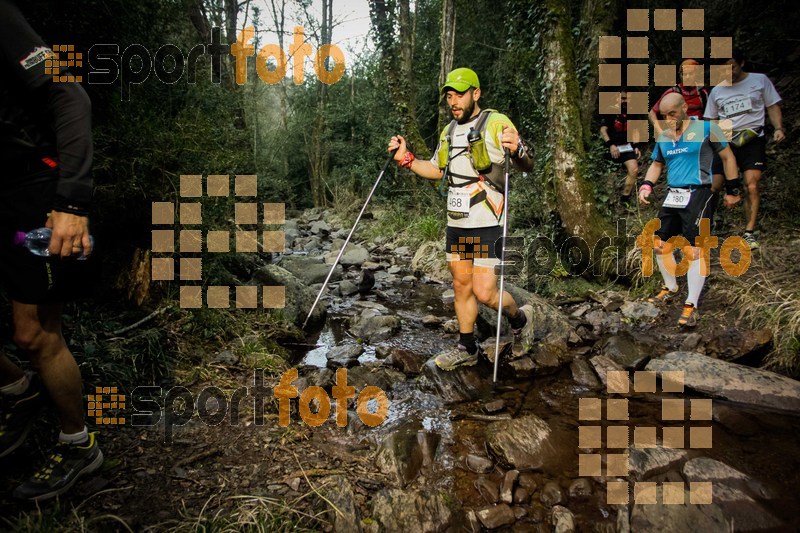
(37, 241)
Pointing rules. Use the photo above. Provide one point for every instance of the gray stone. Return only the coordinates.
(580, 488)
(735, 421)
(623, 350)
(347, 288)
(432, 321)
(674, 518)
(339, 491)
(395, 269)
(745, 513)
(299, 298)
(375, 374)
(523, 367)
(319, 227)
(691, 342)
(226, 357)
(563, 520)
(478, 464)
(344, 356)
(639, 310)
(409, 279)
(402, 250)
(647, 462)
(458, 385)
(496, 516)
(552, 494)
(507, 488)
(398, 510)
(524, 443)
(733, 343)
(375, 328)
(404, 452)
(448, 296)
(583, 374)
(733, 382)
(528, 480)
(494, 406)
(451, 326)
(602, 365)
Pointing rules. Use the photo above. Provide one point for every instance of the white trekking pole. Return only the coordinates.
(347, 240)
(502, 267)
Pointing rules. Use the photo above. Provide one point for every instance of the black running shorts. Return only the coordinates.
(751, 156)
(27, 278)
(686, 220)
(483, 246)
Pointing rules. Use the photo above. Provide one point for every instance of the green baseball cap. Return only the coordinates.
(460, 80)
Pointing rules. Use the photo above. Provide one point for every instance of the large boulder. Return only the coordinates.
(461, 384)
(354, 255)
(299, 298)
(310, 269)
(372, 328)
(733, 382)
(525, 443)
(623, 350)
(677, 518)
(430, 259)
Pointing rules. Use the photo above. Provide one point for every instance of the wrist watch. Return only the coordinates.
(522, 150)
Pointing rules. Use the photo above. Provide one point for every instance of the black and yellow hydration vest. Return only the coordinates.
(489, 172)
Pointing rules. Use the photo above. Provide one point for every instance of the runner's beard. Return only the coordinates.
(466, 113)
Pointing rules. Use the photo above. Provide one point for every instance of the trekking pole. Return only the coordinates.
(502, 268)
(347, 240)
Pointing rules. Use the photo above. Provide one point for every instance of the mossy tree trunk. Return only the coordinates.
(574, 194)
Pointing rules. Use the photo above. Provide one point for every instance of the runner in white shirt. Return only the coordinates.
(745, 100)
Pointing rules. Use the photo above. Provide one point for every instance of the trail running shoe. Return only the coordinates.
(456, 357)
(751, 239)
(688, 316)
(17, 415)
(664, 295)
(65, 464)
(527, 309)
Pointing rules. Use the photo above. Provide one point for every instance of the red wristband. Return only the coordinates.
(407, 160)
(646, 184)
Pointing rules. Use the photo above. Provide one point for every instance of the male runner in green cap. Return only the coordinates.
(470, 156)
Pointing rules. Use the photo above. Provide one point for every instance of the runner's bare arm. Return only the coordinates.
(653, 173)
(731, 174)
(776, 119)
(422, 168)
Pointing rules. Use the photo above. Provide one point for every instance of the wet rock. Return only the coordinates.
(524, 442)
(375, 374)
(370, 265)
(583, 374)
(375, 328)
(519, 513)
(451, 326)
(521, 495)
(581, 310)
(497, 516)
(548, 358)
(339, 491)
(406, 361)
(706, 469)
(488, 489)
(596, 319)
(733, 382)
(647, 462)
(354, 255)
(623, 350)
(299, 298)
(735, 421)
(367, 282)
(312, 244)
(675, 518)
(528, 481)
(733, 344)
(639, 310)
(320, 227)
(479, 464)
(431, 321)
(580, 488)
(461, 384)
(404, 452)
(323, 377)
(552, 494)
(409, 279)
(691, 342)
(383, 351)
(344, 356)
(523, 367)
(602, 365)
(472, 525)
(398, 510)
(448, 296)
(507, 489)
(347, 288)
(563, 520)
(494, 406)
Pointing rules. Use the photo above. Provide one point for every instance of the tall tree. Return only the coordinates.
(447, 40)
(574, 193)
(396, 50)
